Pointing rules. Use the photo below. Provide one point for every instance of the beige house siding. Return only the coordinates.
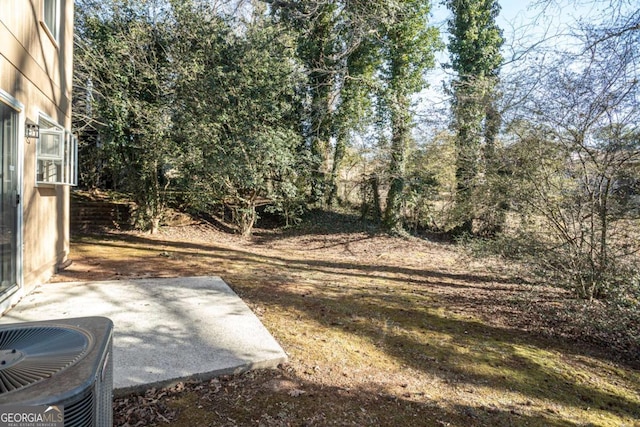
(37, 72)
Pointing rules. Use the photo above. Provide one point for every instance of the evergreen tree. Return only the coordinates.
(238, 93)
(123, 70)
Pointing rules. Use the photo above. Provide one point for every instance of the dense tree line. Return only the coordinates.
(179, 97)
(294, 104)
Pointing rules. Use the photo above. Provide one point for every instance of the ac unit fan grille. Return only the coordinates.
(31, 354)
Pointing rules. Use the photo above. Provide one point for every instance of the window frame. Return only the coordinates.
(51, 23)
(59, 167)
(54, 132)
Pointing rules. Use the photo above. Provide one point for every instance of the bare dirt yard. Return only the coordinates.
(379, 331)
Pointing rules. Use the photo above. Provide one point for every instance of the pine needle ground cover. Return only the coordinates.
(379, 331)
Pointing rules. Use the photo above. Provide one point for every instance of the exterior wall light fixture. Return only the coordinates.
(31, 130)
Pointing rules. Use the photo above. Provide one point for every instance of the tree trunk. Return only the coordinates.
(400, 128)
(338, 155)
(468, 148)
(371, 187)
(321, 127)
(493, 213)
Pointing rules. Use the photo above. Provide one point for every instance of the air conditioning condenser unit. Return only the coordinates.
(65, 364)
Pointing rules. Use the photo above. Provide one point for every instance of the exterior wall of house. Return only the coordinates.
(36, 70)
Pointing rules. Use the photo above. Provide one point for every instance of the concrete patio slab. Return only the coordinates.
(165, 330)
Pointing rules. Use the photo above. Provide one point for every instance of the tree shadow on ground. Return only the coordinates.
(282, 397)
(318, 222)
(218, 258)
(458, 351)
(369, 270)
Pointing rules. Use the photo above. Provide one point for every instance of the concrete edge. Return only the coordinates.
(204, 376)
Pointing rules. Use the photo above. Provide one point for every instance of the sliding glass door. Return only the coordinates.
(9, 200)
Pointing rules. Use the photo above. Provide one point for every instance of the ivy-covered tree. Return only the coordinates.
(318, 46)
(338, 44)
(474, 47)
(358, 84)
(408, 47)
